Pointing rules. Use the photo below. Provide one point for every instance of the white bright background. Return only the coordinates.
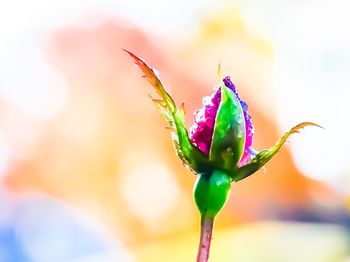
(311, 43)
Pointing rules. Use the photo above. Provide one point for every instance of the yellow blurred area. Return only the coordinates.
(88, 135)
(251, 242)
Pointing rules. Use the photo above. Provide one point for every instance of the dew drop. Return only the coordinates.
(239, 121)
(240, 133)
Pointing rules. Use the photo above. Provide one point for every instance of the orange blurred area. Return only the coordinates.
(97, 149)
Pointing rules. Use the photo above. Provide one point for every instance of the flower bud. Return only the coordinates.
(221, 136)
(222, 129)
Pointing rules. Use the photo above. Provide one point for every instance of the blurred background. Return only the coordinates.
(87, 169)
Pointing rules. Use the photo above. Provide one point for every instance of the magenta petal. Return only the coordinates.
(201, 131)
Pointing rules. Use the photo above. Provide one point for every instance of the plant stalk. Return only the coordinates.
(205, 238)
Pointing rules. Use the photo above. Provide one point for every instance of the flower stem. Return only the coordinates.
(205, 238)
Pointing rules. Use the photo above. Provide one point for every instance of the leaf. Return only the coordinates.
(188, 153)
(265, 155)
(229, 132)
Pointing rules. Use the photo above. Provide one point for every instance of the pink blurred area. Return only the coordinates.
(107, 155)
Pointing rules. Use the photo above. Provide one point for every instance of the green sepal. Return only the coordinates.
(265, 155)
(211, 192)
(229, 132)
(189, 154)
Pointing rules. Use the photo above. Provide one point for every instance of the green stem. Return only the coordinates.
(205, 238)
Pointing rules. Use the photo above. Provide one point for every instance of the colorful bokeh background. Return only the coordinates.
(87, 169)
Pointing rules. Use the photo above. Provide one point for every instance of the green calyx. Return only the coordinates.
(229, 132)
(266, 155)
(211, 192)
(189, 154)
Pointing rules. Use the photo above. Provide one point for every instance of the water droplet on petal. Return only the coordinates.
(239, 121)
